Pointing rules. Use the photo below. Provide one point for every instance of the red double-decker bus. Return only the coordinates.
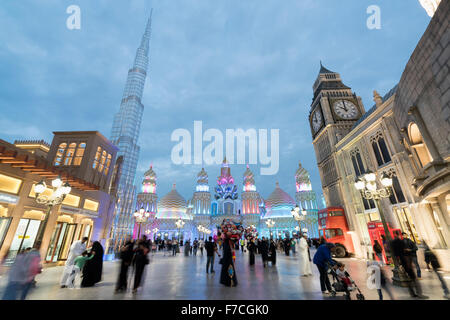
(334, 228)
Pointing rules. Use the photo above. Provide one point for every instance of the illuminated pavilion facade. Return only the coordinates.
(209, 210)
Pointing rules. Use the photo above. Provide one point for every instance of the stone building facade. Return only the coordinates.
(406, 135)
(86, 211)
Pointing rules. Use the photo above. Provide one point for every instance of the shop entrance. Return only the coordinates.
(60, 242)
(25, 236)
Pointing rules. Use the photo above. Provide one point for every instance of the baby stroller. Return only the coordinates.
(340, 286)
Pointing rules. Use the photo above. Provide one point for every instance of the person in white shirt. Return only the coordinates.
(305, 264)
(76, 249)
(201, 245)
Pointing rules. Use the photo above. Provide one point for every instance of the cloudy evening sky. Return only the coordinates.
(230, 63)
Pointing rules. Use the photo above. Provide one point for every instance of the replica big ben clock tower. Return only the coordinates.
(334, 111)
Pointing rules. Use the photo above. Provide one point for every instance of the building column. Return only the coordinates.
(445, 228)
(415, 114)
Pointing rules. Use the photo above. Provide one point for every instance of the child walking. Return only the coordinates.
(78, 265)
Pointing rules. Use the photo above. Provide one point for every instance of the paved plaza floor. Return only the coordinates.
(181, 277)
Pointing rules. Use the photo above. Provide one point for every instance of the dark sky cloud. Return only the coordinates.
(232, 64)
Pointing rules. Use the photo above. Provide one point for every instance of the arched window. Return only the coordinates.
(79, 154)
(97, 158)
(380, 149)
(108, 162)
(59, 154)
(397, 195)
(418, 145)
(358, 165)
(102, 163)
(69, 154)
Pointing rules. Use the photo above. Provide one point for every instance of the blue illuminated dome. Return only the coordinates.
(279, 204)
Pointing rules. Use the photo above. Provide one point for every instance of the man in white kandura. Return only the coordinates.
(76, 249)
(305, 264)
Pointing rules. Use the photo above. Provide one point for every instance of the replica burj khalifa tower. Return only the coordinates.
(125, 135)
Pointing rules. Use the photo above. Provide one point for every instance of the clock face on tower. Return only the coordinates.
(345, 109)
(317, 120)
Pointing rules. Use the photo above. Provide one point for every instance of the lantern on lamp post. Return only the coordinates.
(57, 196)
(299, 216)
(367, 186)
(270, 224)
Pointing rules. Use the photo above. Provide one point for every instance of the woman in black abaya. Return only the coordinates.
(273, 252)
(251, 250)
(228, 273)
(92, 271)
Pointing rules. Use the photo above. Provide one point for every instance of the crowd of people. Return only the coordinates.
(84, 264)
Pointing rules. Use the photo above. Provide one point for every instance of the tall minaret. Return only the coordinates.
(125, 134)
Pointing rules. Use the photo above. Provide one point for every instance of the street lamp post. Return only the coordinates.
(299, 216)
(180, 224)
(367, 185)
(60, 191)
(270, 224)
(154, 232)
(141, 217)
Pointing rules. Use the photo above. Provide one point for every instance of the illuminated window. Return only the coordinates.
(108, 162)
(71, 200)
(102, 163)
(397, 195)
(79, 154)
(90, 205)
(10, 184)
(97, 158)
(47, 192)
(59, 154)
(419, 145)
(406, 223)
(69, 154)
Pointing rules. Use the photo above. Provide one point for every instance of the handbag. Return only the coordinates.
(221, 261)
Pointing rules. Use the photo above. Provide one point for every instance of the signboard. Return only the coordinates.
(7, 198)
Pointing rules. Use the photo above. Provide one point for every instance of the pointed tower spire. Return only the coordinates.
(147, 34)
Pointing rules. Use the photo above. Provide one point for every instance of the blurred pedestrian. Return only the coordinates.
(187, 248)
(264, 250)
(431, 259)
(140, 261)
(17, 277)
(201, 245)
(411, 250)
(251, 247)
(273, 252)
(174, 247)
(378, 250)
(33, 261)
(399, 252)
(76, 249)
(228, 272)
(378, 278)
(293, 246)
(126, 257)
(195, 245)
(387, 249)
(287, 246)
(92, 271)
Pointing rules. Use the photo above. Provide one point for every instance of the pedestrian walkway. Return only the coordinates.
(181, 277)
